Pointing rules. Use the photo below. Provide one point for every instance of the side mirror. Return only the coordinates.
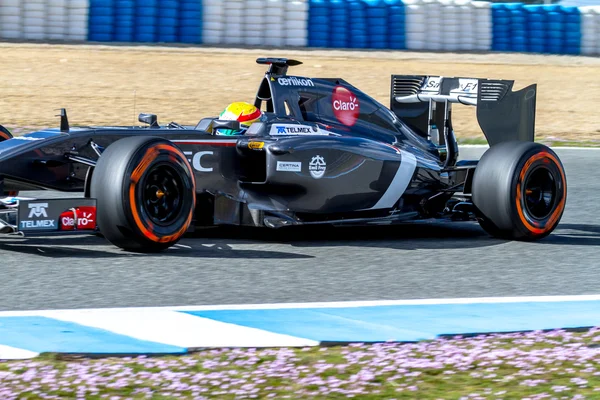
(149, 119)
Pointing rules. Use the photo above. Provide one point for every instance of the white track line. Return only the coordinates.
(340, 304)
(177, 329)
(12, 353)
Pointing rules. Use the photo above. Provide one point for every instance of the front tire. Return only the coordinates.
(519, 190)
(145, 192)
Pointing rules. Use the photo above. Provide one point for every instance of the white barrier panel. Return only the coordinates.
(451, 26)
(296, 23)
(432, 10)
(275, 24)
(11, 19)
(482, 25)
(590, 30)
(416, 24)
(234, 21)
(254, 22)
(34, 19)
(77, 15)
(466, 25)
(213, 28)
(597, 29)
(57, 19)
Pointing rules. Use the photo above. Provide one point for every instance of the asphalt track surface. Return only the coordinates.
(232, 266)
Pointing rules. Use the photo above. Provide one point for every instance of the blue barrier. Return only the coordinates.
(572, 36)
(146, 13)
(339, 22)
(168, 21)
(536, 28)
(377, 24)
(124, 20)
(190, 21)
(359, 24)
(396, 24)
(318, 22)
(101, 21)
(145, 21)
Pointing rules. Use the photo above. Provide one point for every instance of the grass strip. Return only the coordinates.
(557, 364)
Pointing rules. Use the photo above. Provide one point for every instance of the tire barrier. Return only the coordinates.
(590, 30)
(433, 25)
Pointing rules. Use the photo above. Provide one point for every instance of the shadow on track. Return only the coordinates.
(82, 247)
(217, 242)
(581, 235)
(435, 236)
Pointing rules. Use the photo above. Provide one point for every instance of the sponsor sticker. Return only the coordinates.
(317, 167)
(293, 81)
(56, 214)
(294, 129)
(37, 210)
(432, 84)
(289, 166)
(197, 161)
(466, 85)
(38, 224)
(256, 145)
(346, 107)
(86, 219)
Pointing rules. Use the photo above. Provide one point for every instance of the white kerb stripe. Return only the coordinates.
(13, 353)
(400, 182)
(177, 328)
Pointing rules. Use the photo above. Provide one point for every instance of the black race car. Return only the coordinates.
(324, 153)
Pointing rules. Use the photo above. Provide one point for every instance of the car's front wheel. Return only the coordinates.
(145, 192)
(519, 190)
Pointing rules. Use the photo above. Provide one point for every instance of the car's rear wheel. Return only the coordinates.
(145, 194)
(519, 190)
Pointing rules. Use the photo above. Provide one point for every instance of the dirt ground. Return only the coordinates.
(101, 84)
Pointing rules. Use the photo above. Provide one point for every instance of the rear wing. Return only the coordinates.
(503, 115)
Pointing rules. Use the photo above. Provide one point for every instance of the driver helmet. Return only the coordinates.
(245, 113)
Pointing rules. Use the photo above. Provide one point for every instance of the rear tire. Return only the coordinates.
(145, 192)
(519, 190)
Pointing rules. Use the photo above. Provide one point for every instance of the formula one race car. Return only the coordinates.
(324, 153)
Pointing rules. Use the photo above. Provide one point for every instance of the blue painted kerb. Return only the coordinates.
(412, 322)
(48, 335)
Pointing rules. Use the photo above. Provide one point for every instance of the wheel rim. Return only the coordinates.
(162, 194)
(540, 193)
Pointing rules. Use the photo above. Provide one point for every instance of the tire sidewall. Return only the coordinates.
(536, 158)
(140, 166)
(498, 188)
(123, 223)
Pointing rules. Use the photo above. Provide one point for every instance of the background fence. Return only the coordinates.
(452, 25)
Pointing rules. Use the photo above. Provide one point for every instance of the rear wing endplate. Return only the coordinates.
(503, 115)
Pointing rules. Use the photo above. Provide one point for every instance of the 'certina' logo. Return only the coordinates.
(345, 106)
(293, 81)
(38, 210)
(317, 167)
